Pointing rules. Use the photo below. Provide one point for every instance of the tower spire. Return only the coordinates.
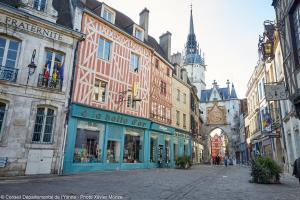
(191, 22)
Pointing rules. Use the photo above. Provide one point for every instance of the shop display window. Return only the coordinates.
(175, 151)
(185, 149)
(133, 146)
(113, 151)
(89, 142)
(153, 144)
(167, 146)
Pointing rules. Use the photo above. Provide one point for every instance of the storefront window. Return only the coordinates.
(175, 151)
(167, 146)
(185, 149)
(133, 146)
(153, 144)
(113, 151)
(89, 141)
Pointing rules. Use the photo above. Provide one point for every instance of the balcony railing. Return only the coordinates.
(49, 82)
(8, 74)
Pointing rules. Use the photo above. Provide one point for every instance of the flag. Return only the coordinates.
(61, 72)
(267, 120)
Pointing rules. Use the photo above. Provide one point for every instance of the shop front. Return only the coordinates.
(197, 153)
(182, 144)
(104, 140)
(161, 151)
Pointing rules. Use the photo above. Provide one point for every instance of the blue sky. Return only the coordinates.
(227, 31)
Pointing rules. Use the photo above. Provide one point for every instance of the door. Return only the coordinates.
(39, 162)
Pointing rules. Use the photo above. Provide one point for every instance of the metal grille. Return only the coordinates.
(8, 74)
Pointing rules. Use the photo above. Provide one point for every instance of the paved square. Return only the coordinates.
(201, 182)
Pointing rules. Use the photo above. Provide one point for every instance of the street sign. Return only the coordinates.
(275, 91)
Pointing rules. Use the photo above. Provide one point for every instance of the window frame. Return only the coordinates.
(177, 117)
(39, 5)
(131, 104)
(4, 119)
(107, 9)
(104, 47)
(178, 95)
(100, 96)
(296, 50)
(6, 48)
(132, 66)
(137, 29)
(183, 120)
(42, 133)
(163, 88)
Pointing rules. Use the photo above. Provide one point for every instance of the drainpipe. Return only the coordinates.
(60, 171)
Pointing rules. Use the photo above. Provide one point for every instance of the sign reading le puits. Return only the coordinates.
(22, 25)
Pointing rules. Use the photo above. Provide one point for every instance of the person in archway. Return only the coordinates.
(225, 161)
(296, 170)
(218, 159)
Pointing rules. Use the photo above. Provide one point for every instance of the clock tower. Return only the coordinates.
(193, 60)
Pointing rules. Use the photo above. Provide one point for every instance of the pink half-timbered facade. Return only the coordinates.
(161, 91)
(113, 72)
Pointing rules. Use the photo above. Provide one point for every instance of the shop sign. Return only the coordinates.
(182, 135)
(25, 26)
(159, 127)
(106, 116)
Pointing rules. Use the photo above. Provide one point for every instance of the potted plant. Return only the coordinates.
(183, 162)
(265, 171)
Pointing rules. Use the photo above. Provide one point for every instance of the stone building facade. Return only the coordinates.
(34, 98)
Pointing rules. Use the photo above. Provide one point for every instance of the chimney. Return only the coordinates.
(144, 21)
(165, 43)
(176, 58)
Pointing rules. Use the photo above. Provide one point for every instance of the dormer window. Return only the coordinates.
(138, 33)
(108, 14)
(39, 5)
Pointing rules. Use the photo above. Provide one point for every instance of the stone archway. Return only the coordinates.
(226, 131)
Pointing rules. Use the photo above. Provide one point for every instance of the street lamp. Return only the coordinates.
(32, 66)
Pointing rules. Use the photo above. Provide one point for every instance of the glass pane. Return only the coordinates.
(13, 45)
(2, 113)
(107, 50)
(10, 63)
(113, 152)
(153, 143)
(89, 142)
(2, 42)
(38, 127)
(133, 146)
(42, 5)
(11, 55)
(100, 47)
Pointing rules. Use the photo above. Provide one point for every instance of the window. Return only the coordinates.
(89, 142)
(2, 115)
(100, 90)
(113, 151)
(184, 98)
(103, 49)
(177, 117)
(163, 88)
(167, 147)
(296, 30)
(153, 147)
(39, 5)
(134, 62)
(184, 120)
(43, 128)
(138, 34)
(8, 52)
(130, 102)
(53, 73)
(156, 63)
(108, 15)
(178, 95)
(168, 72)
(175, 151)
(133, 146)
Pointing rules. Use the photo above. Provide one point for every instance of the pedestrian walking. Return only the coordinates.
(218, 159)
(225, 161)
(296, 170)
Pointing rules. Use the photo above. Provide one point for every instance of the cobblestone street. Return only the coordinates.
(201, 182)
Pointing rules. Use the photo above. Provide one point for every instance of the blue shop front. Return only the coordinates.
(104, 140)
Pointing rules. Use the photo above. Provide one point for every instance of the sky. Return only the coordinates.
(226, 30)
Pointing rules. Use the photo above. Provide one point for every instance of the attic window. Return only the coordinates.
(108, 14)
(39, 5)
(138, 32)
